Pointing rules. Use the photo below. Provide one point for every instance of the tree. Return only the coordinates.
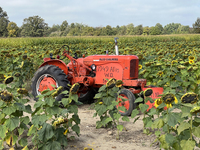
(196, 26)
(130, 29)
(154, 31)
(171, 28)
(12, 29)
(146, 30)
(3, 23)
(122, 30)
(159, 28)
(34, 27)
(109, 30)
(139, 30)
(63, 26)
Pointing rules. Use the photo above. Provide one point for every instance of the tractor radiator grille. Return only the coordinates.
(134, 68)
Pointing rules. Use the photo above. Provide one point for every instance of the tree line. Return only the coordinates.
(35, 26)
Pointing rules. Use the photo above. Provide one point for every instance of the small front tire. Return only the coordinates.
(128, 104)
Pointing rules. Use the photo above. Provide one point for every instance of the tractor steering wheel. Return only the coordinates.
(64, 49)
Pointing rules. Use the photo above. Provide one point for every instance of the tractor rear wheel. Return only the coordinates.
(128, 104)
(47, 75)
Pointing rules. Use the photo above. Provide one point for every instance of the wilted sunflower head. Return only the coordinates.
(147, 64)
(160, 73)
(181, 67)
(118, 83)
(17, 74)
(140, 56)
(189, 98)
(143, 72)
(168, 99)
(148, 92)
(158, 102)
(57, 91)
(74, 89)
(195, 110)
(8, 79)
(24, 57)
(6, 96)
(111, 83)
(191, 58)
(22, 91)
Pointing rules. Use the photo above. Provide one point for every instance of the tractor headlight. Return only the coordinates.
(93, 67)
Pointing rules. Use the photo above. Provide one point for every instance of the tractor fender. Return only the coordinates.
(56, 62)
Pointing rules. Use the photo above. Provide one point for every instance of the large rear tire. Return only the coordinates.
(128, 104)
(47, 75)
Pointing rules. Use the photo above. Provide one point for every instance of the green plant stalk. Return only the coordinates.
(168, 131)
(117, 131)
(191, 127)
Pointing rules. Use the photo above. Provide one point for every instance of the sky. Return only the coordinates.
(100, 13)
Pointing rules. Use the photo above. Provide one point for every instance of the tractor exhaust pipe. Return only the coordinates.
(116, 47)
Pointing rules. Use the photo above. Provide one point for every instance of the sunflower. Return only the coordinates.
(148, 92)
(195, 110)
(191, 61)
(60, 121)
(140, 56)
(174, 61)
(6, 96)
(24, 57)
(111, 83)
(168, 99)
(160, 73)
(191, 58)
(140, 67)
(181, 67)
(57, 91)
(74, 89)
(17, 74)
(158, 64)
(8, 79)
(158, 102)
(143, 72)
(118, 83)
(22, 91)
(147, 64)
(189, 98)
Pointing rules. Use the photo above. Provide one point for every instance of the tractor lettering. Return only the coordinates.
(106, 74)
(111, 75)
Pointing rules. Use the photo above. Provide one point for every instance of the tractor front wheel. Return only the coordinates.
(128, 103)
(47, 76)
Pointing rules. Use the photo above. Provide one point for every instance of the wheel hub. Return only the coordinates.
(46, 83)
(123, 103)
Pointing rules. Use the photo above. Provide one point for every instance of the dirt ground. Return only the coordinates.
(105, 139)
(90, 138)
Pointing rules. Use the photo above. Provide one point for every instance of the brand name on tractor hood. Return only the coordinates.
(108, 59)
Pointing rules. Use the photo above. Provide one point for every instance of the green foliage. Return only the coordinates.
(3, 23)
(106, 109)
(34, 27)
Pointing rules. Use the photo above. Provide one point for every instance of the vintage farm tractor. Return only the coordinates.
(91, 73)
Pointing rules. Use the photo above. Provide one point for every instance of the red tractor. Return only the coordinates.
(91, 73)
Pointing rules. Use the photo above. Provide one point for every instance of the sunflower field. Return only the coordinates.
(171, 62)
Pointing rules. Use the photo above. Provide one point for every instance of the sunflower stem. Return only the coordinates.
(191, 127)
(167, 124)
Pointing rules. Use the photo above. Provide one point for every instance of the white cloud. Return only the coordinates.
(104, 12)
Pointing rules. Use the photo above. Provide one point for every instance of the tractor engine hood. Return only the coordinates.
(126, 65)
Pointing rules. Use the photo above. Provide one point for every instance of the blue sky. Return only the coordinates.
(104, 12)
